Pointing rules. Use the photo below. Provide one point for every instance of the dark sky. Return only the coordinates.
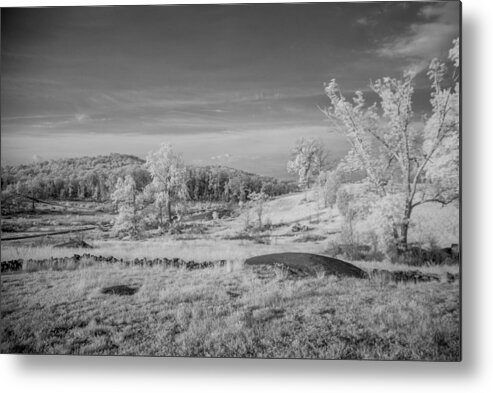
(228, 84)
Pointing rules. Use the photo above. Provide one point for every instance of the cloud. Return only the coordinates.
(447, 11)
(31, 117)
(50, 122)
(37, 158)
(222, 157)
(366, 21)
(426, 39)
(362, 21)
(80, 117)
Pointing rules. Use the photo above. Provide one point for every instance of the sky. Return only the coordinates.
(234, 85)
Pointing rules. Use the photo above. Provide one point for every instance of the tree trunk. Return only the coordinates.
(168, 208)
(395, 233)
(134, 218)
(405, 225)
(160, 216)
(404, 232)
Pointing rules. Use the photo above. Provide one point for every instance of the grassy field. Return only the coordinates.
(227, 312)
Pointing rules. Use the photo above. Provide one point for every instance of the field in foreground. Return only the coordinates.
(227, 312)
(223, 311)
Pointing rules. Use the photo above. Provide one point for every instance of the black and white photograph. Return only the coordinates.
(267, 181)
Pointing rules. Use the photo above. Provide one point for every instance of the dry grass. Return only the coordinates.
(235, 252)
(198, 250)
(441, 270)
(227, 312)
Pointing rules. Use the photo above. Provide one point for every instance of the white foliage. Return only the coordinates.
(406, 165)
(129, 203)
(257, 201)
(309, 156)
(168, 174)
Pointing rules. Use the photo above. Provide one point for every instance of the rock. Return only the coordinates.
(299, 228)
(305, 264)
(414, 254)
(403, 276)
(451, 254)
(12, 266)
(452, 277)
(121, 290)
(86, 258)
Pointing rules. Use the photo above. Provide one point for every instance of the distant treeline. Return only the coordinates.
(84, 178)
(94, 179)
(216, 183)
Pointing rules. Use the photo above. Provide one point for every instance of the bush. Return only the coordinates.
(416, 255)
(355, 252)
(309, 238)
(343, 201)
(328, 185)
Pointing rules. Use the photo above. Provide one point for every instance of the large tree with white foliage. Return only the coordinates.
(168, 183)
(129, 202)
(406, 163)
(309, 156)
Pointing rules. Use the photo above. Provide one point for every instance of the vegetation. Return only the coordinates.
(327, 184)
(85, 178)
(168, 180)
(387, 190)
(231, 313)
(309, 158)
(129, 203)
(406, 164)
(95, 179)
(223, 311)
(257, 201)
(216, 183)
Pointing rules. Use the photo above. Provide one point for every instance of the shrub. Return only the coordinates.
(309, 238)
(257, 201)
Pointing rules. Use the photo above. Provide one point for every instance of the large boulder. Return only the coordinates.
(305, 264)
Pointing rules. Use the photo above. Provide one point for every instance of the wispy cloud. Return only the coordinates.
(49, 122)
(32, 117)
(366, 21)
(426, 39)
(363, 21)
(211, 79)
(223, 158)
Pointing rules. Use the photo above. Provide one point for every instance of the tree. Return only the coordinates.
(129, 203)
(328, 185)
(168, 175)
(34, 190)
(8, 199)
(257, 200)
(405, 164)
(236, 186)
(442, 133)
(81, 193)
(309, 157)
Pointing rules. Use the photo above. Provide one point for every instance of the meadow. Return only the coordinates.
(226, 311)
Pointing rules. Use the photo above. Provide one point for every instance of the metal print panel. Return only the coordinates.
(254, 181)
